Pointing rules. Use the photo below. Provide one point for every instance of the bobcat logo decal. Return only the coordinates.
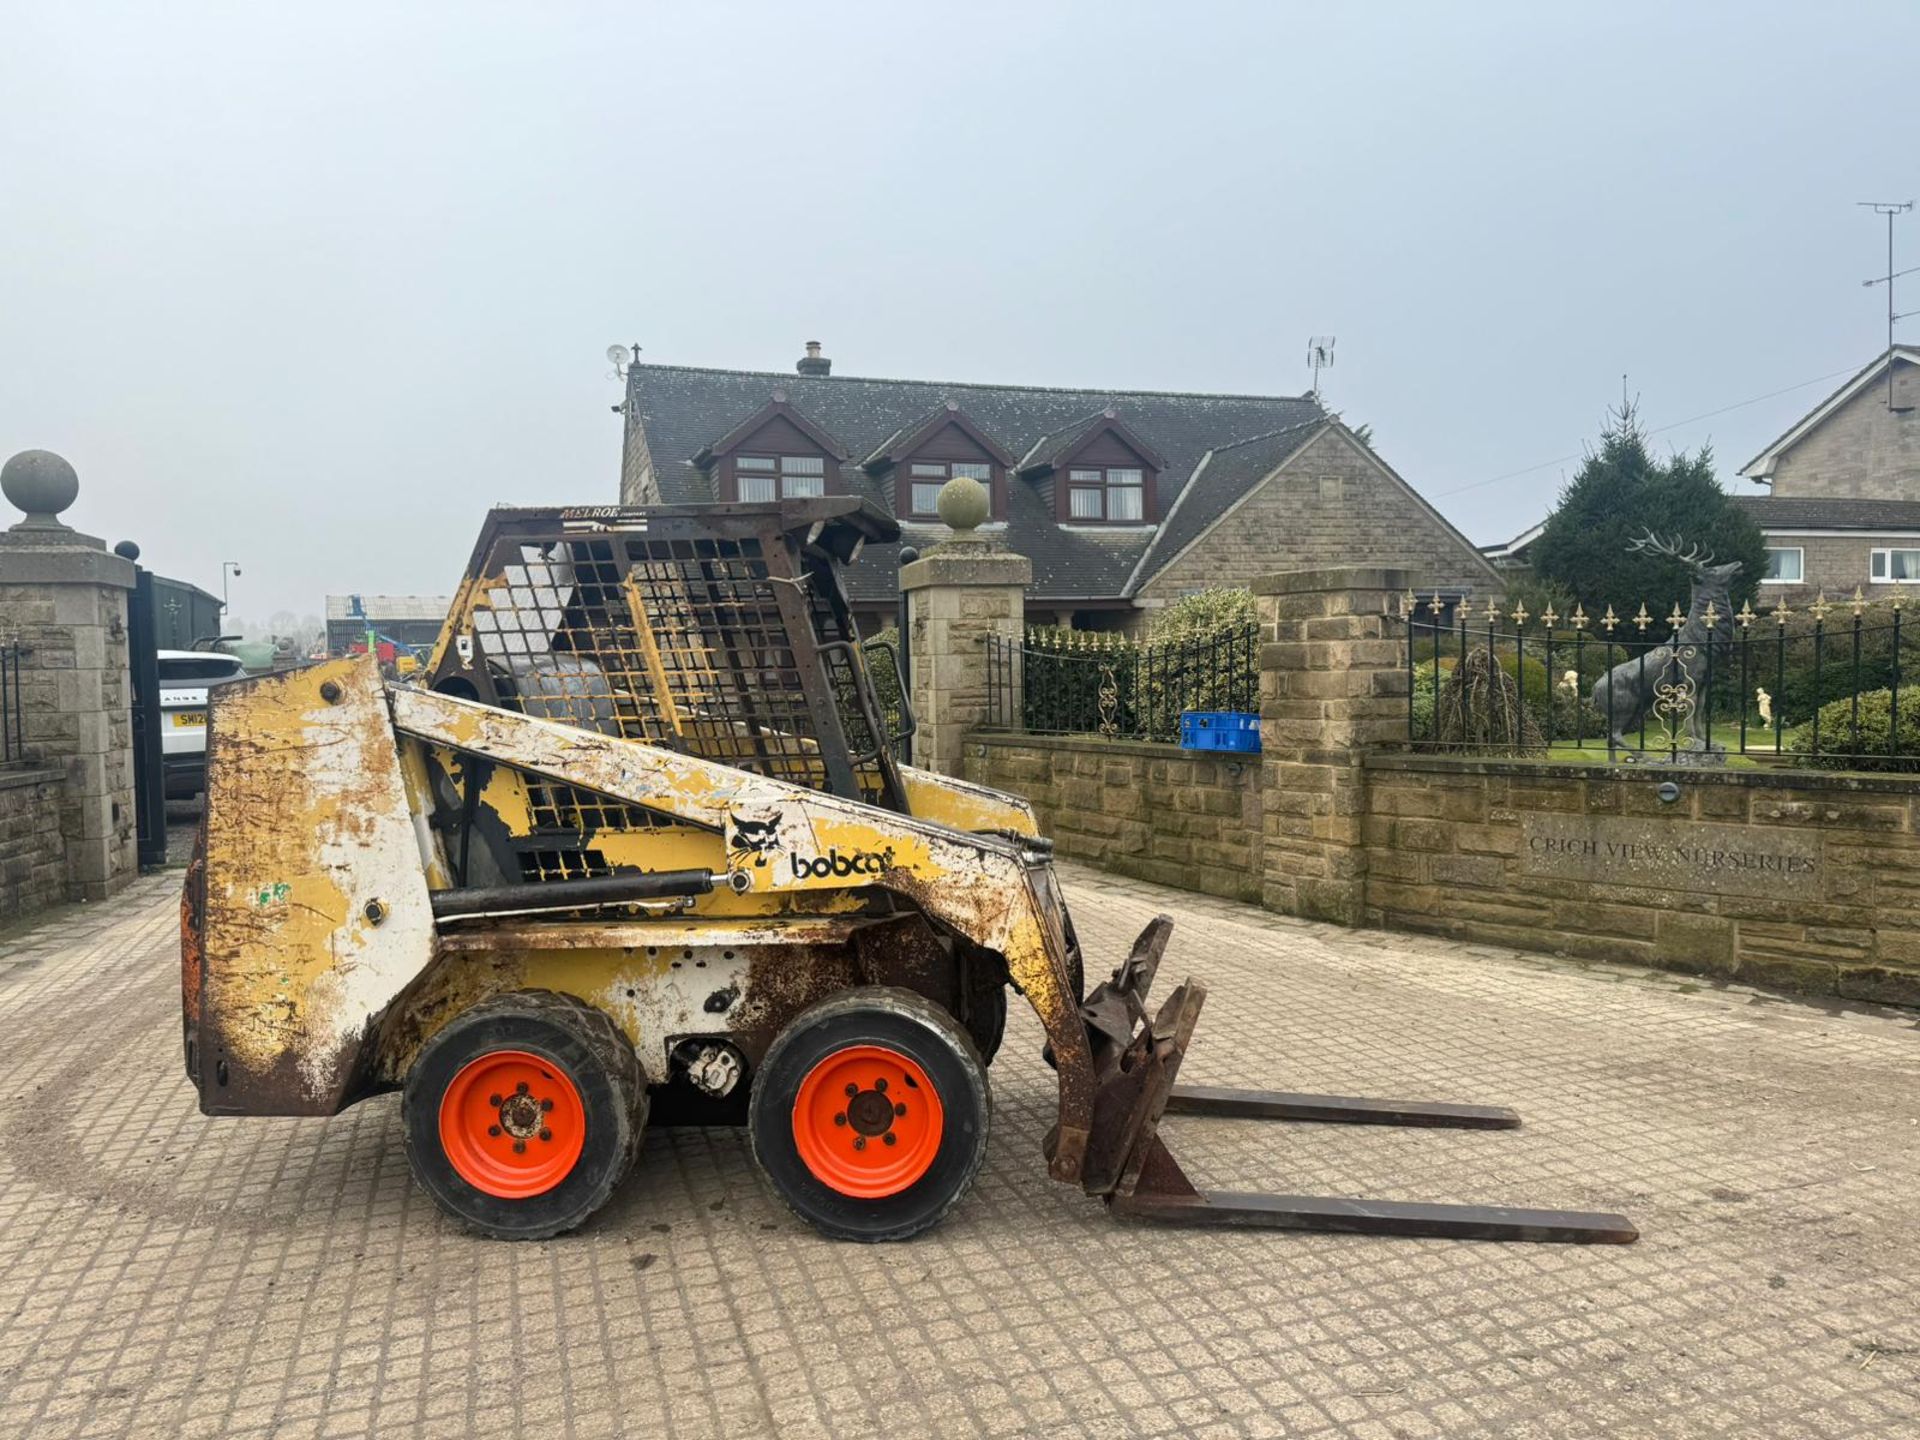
(752, 840)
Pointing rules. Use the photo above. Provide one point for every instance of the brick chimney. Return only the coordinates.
(813, 362)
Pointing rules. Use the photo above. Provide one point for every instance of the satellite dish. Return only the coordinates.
(616, 355)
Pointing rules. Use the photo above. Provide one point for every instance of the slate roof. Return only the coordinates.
(1772, 513)
(683, 408)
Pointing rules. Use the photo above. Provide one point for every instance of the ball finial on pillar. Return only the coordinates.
(42, 484)
(964, 505)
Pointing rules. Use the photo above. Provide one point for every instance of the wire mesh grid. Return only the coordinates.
(677, 641)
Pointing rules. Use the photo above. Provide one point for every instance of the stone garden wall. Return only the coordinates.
(1155, 812)
(1803, 880)
(1806, 881)
(33, 856)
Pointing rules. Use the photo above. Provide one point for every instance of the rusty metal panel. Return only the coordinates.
(316, 911)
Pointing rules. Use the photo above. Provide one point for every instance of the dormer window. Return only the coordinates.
(928, 476)
(779, 477)
(776, 453)
(1108, 492)
(924, 454)
(1096, 471)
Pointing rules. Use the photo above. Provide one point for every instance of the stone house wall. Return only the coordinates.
(1332, 502)
(1836, 564)
(1862, 451)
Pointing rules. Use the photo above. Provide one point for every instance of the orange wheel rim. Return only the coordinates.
(512, 1124)
(867, 1121)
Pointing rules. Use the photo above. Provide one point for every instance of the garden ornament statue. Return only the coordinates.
(1663, 684)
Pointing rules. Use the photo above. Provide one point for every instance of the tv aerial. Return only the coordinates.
(1319, 357)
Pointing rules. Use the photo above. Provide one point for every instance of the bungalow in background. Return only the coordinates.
(1123, 500)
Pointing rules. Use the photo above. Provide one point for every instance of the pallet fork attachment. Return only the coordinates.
(1136, 1059)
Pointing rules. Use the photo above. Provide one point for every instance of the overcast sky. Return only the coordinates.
(307, 287)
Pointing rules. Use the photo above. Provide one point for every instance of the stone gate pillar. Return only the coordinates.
(1333, 684)
(64, 598)
(958, 593)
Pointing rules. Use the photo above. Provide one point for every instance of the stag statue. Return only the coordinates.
(1665, 681)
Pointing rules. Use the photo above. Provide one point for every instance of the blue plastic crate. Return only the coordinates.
(1220, 730)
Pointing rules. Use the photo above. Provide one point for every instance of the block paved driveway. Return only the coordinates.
(164, 1274)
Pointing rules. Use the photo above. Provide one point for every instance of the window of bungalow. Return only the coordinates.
(778, 477)
(1111, 492)
(927, 476)
(1895, 567)
(1786, 564)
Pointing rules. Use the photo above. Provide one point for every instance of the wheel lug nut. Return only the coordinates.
(546, 1134)
(900, 1109)
(852, 1089)
(545, 1105)
(522, 1088)
(859, 1142)
(493, 1130)
(880, 1085)
(841, 1118)
(493, 1100)
(519, 1147)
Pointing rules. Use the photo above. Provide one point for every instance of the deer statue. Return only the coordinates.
(1665, 680)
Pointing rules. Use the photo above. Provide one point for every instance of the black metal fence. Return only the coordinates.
(13, 729)
(1828, 685)
(1076, 682)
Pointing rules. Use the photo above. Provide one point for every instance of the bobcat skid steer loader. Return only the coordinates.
(636, 841)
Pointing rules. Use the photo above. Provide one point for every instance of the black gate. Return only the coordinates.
(143, 667)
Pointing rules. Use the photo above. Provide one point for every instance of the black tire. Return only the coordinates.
(589, 1051)
(909, 1025)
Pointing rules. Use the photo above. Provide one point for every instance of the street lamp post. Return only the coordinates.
(227, 567)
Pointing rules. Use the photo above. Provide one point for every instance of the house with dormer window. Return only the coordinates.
(1123, 500)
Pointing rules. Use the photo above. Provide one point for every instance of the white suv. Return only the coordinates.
(185, 677)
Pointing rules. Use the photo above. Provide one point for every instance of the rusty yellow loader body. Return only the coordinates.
(634, 847)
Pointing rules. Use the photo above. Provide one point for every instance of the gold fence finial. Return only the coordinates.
(1579, 616)
(1642, 620)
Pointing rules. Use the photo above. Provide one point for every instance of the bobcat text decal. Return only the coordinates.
(861, 862)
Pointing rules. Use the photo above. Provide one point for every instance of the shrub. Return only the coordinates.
(1202, 613)
(1479, 707)
(1876, 746)
(1806, 687)
(885, 679)
(1531, 672)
